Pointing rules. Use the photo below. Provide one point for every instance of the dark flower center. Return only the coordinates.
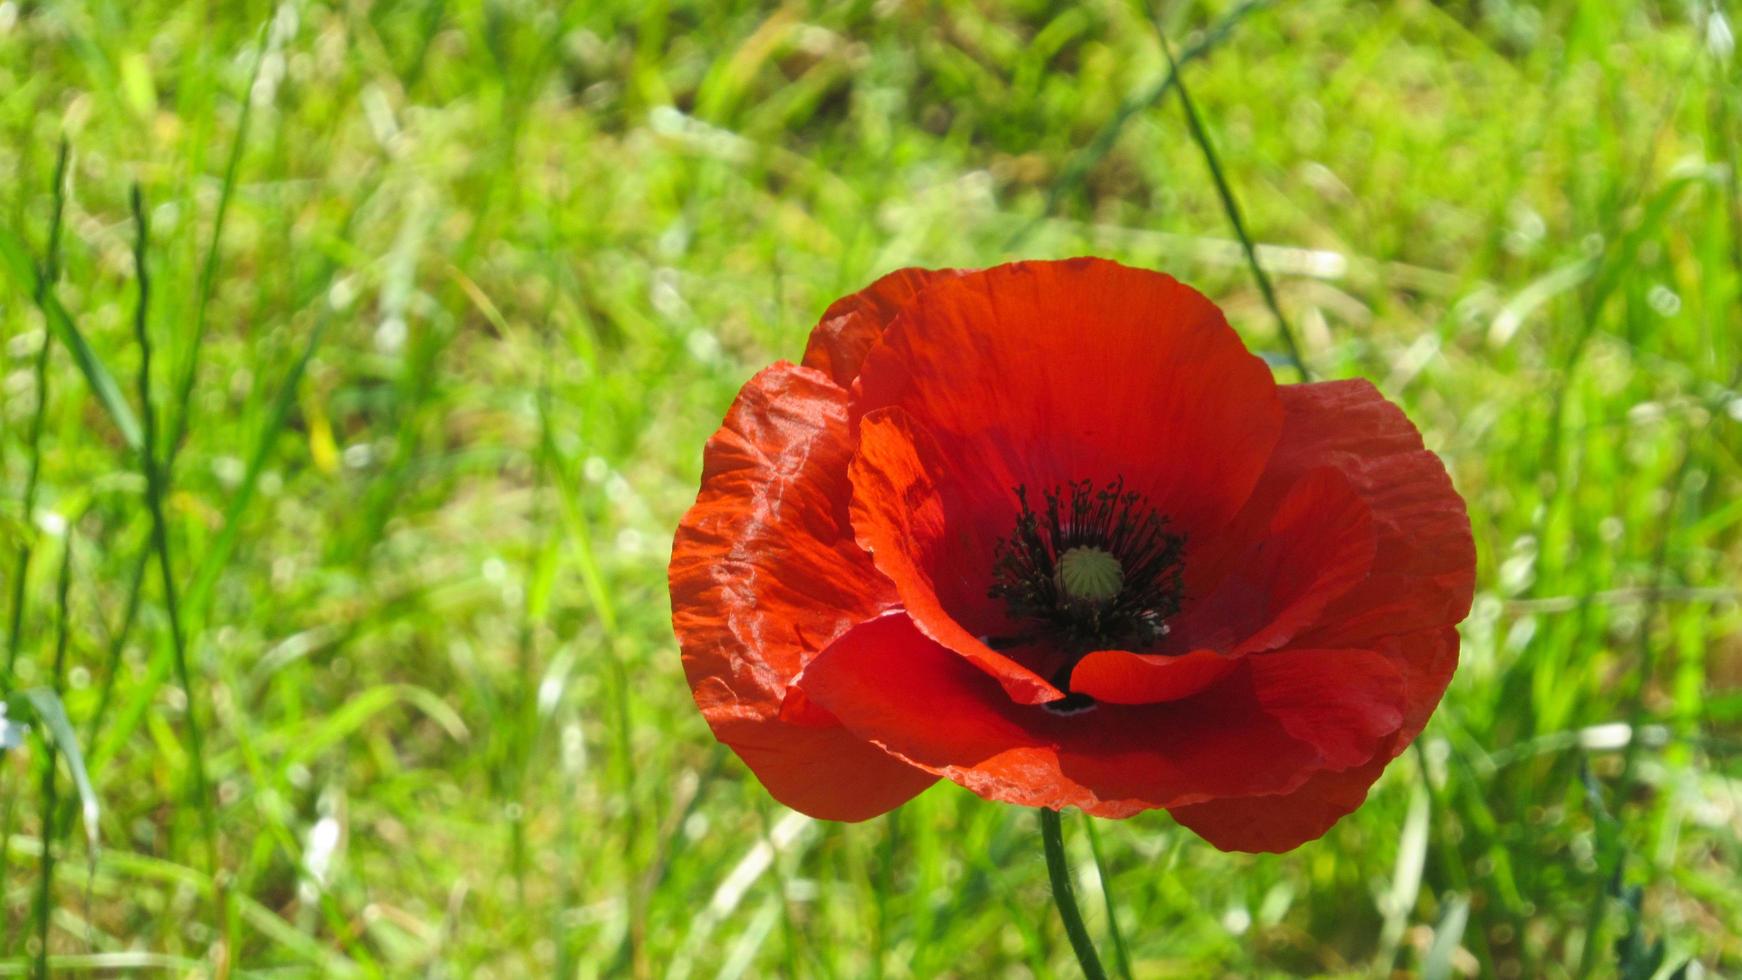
(1096, 569)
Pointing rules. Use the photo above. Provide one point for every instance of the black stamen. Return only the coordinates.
(1112, 520)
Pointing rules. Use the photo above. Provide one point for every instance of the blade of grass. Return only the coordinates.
(33, 448)
(217, 555)
(1608, 273)
(33, 439)
(1449, 853)
(212, 563)
(118, 868)
(1612, 851)
(1121, 958)
(118, 640)
(580, 539)
(184, 388)
(60, 323)
(1437, 965)
(989, 862)
(42, 912)
(541, 563)
(1102, 142)
(431, 20)
(671, 843)
(881, 887)
(200, 794)
(1232, 208)
(782, 896)
(8, 818)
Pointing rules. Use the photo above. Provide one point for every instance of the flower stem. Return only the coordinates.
(1121, 959)
(1052, 836)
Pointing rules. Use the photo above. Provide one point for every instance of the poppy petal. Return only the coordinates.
(891, 683)
(826, 772)
(1277, 823)
(763, 574)
(1424, 556)
(1123, 677)
(1343, 702)
(1426, 660)
(1274, 824)
(1317, 544)
(904, 522)
(1044, 373)
(851, 324)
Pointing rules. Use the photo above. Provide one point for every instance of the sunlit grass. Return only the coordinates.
(445, 301)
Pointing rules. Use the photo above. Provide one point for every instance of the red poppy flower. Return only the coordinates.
(1050, 531)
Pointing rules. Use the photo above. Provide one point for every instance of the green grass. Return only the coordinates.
(445, 298)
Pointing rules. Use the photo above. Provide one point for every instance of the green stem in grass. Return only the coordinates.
(21, 563)
(44, 283)
(154, 494)
(1077, 169)
(1052, 838)
(1201, 136)
(184, 385)
(1121, 958)
(184, 388)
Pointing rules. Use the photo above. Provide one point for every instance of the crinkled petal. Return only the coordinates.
(888, 682)
(906, 523)
(764, 573)
(851, 324)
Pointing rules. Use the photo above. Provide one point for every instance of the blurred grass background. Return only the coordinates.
(445, 298)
